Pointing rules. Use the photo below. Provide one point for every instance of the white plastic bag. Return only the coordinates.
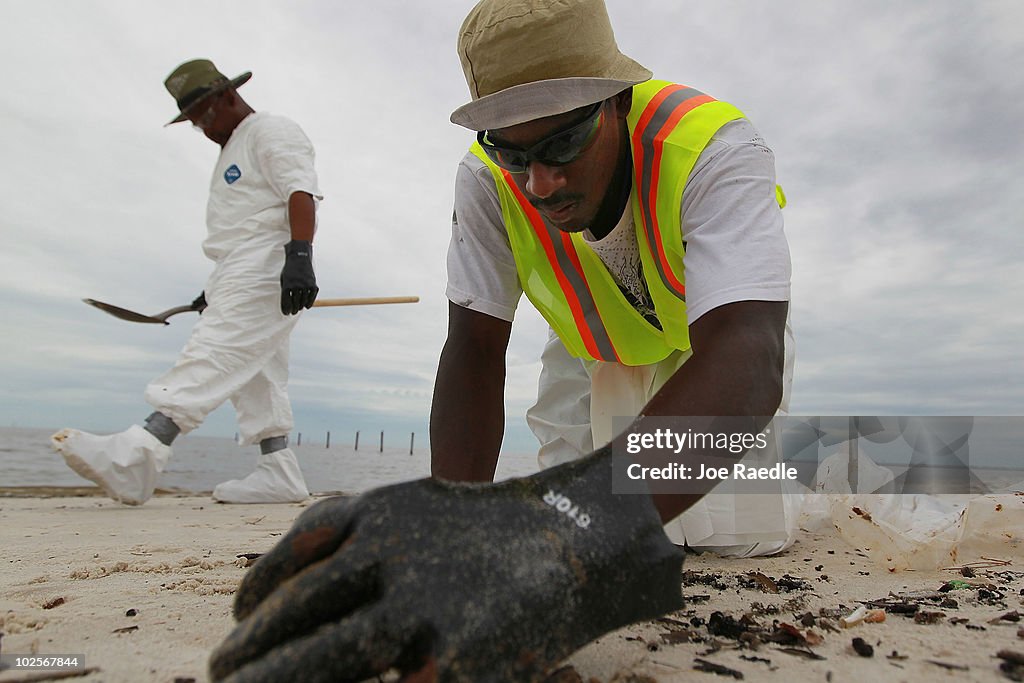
(925, 533)
(912, 531)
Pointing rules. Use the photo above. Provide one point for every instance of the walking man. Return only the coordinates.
(261, 217)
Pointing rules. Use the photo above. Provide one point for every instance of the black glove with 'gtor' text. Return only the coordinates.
(459, 583)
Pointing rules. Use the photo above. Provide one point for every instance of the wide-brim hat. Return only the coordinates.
(527, 59)
(194, 80)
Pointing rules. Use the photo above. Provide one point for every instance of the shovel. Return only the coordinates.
(132, 316)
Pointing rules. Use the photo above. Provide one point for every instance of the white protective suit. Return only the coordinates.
(239, 348)
(577, 402)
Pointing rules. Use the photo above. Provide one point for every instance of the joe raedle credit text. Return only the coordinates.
(691, 455)
(908, 454)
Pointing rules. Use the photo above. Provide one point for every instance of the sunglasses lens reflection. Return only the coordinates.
(557, 150)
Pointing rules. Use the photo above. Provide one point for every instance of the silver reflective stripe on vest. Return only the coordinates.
(590, 314)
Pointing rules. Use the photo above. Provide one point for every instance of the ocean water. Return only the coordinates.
(200, 463)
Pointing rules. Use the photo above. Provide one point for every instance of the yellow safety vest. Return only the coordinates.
(669, 126)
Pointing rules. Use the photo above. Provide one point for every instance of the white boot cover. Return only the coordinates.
(277, 479)
(124, 465)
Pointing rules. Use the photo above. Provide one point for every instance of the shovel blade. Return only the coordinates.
(124, 313)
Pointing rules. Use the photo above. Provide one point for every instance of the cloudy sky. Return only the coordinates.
(896, 128)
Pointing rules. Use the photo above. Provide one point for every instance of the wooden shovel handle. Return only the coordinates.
(367, 300)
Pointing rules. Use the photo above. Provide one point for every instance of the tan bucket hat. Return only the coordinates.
(195, 79)
(527, 59)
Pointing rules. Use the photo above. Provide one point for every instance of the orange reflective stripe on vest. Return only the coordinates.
(567, 268)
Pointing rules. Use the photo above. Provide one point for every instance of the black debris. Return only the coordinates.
(863, 648)
(712, 668)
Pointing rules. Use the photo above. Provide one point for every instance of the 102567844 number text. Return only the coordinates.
(41, 662)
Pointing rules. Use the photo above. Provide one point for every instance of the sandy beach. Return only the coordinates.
(144, 594)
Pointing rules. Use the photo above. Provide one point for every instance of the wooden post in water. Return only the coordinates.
(853, 460)
(299, 442)
(357, 439)
(382, 441)
(412, 438)
(328, 443)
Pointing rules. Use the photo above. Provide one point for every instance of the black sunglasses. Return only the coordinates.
(555, 150)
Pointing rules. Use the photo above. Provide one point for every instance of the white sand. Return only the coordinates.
(174, 562)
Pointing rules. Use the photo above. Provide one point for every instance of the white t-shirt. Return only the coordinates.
(736, 249)
(267, 158)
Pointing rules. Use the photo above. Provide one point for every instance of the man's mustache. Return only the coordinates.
(554, 200)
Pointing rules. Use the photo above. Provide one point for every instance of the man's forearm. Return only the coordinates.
(467, 417)
(467, 420)
(736, 370)
(301, 216)
(746, 387)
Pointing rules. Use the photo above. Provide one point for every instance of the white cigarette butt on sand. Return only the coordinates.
(855, 617)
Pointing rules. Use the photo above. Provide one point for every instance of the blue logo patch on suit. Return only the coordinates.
(232, 174)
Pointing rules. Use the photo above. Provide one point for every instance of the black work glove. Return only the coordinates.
(298, 283)
(199, 303)
(468, 582)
